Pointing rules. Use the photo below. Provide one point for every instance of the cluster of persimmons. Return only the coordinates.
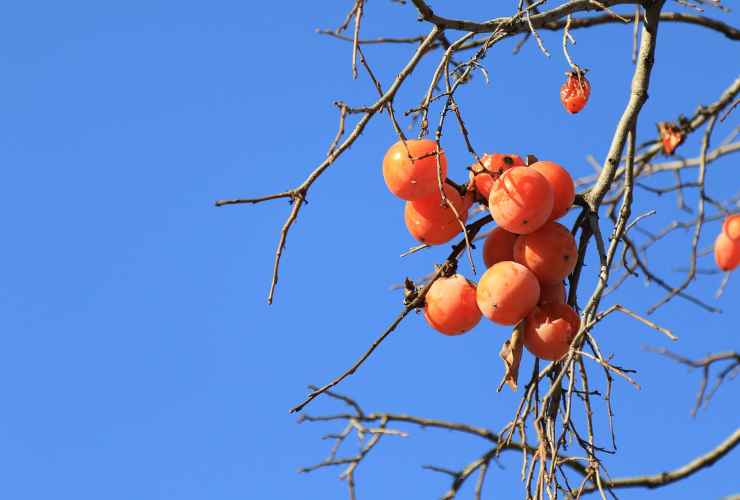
(527, 255)
(727, 244)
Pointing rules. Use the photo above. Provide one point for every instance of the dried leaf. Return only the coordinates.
(511, 354)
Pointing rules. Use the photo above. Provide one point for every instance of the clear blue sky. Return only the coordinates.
(139, 359)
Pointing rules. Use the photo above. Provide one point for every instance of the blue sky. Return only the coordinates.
(139, 358)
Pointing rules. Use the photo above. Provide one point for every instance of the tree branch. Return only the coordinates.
(666, 478)
(638, 96)
(514, 26)
(418, 301)
(298, 195)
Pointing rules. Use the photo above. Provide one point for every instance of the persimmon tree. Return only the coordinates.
(552, 427)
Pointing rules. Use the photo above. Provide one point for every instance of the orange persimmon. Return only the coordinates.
(552, 293)
(550, 252)
(451, 306)
(549, 330)
(726, 252)
(411, 173)
(499, 246)
(521, 200)
(507, 292)
(432, 207)
(430, 222)
(563, 188)
(494, 165)
(731, 227)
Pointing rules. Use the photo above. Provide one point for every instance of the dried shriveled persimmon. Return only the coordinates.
(550, 252)
(563, 188)
(726, 252)
(412, 174)
(430, 222)
(574, 93)
(549, 330)
(451, 307)
(494, 165)
(507, 292)
(671, 136)
(521, 200)
(552, 293)
(499, 246)
(731, 227)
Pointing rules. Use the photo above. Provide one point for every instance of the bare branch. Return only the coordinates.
(512, 27)
(374, 41)
(699, 219)
(418, 301)
(706, 364)
(638, 96)
(632, 314)
(298, 194)
(668, 477)
(360, 5)
(675, 165)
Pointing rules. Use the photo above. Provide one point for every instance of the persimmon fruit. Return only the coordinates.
(412, 174)
(494, 165)
(549, 330)
(468, 199)
(432, 207)
(726, 252)
(552, 293)
(499, 246)
(550, 252)
(507, 292)
(563, 188)
(731, 227)
(430, 222)
(671, 137)
(574, 93)
(521, 200)
(451, 307)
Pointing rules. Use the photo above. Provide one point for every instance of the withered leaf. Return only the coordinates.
(511, 354)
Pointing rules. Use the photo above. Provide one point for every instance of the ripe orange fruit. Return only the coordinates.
(431, 206)
(499, 246)
(563, 188)
(549, 330)
(429, 222)
(495, 165)
(521, 200)
(507, 292)
(550, 252)
(451, 306)
(415, 177)
(552, 293)
(574, 93)
(429, 231)
(726, 252)
(731, 226)
(468, 199)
